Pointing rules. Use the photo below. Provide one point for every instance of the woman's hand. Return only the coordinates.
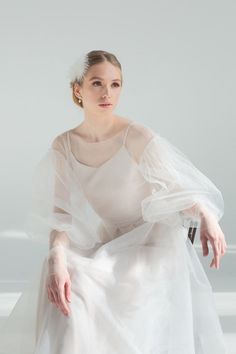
(59, 289)
(58, 281)
(210, 231)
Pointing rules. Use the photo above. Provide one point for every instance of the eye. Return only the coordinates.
(96, 82)
(115, 83)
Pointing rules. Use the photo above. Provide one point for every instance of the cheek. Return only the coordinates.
(96, 91)
(117, 93)
(93, 93)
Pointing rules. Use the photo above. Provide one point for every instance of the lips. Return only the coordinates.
(105, 104)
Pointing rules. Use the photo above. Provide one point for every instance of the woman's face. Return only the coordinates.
(102, 84)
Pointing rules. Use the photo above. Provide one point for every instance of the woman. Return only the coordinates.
(114, 201)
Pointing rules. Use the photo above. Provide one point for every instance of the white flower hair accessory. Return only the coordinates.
(79, 68)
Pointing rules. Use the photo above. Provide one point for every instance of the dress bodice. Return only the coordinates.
(116, 188)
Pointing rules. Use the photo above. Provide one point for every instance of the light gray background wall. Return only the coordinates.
(178, 60)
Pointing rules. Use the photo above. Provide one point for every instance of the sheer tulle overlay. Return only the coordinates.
(138, 285)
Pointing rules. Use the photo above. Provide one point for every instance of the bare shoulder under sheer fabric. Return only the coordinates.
(138, 285)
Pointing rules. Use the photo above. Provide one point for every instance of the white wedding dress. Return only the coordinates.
(138, 286)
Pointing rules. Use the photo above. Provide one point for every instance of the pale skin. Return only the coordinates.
(100, 123)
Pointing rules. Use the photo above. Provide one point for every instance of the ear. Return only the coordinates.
(76, 89)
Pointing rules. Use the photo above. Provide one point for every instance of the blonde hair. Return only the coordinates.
(94, 57)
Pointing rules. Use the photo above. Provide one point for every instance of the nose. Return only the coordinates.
(106, 92)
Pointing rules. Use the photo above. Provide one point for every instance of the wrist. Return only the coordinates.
(205, 214)
(199, 212)
(57, 256)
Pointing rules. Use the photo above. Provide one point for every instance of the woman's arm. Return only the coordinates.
(178, 187)
(56, 256)
(58, 238)
(58, 280)
(210, 230)
(198, 209)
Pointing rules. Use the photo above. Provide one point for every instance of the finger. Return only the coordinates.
(55, 301)
(214, 244)
(205, 249)
(49, 295)
(54, 298)
(222, 248)
(58, 303)
(219, 254)
(55, 295)
(62, 299)
(212, 262)
(68, 291)
(225, 245)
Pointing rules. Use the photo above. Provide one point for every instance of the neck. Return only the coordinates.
(98, 127)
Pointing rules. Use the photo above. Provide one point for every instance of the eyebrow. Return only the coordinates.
(96, 77)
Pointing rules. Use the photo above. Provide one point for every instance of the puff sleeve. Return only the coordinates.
(58, 202)
(179, 188)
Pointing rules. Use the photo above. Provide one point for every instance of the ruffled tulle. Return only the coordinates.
(177, 184)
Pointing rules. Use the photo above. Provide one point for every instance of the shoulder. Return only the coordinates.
(139, 135)
(58, 143)
(141, 131)
(136, 129)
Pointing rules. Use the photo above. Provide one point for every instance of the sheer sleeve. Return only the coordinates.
(58, 202)
(179, 189)
(61, 214)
